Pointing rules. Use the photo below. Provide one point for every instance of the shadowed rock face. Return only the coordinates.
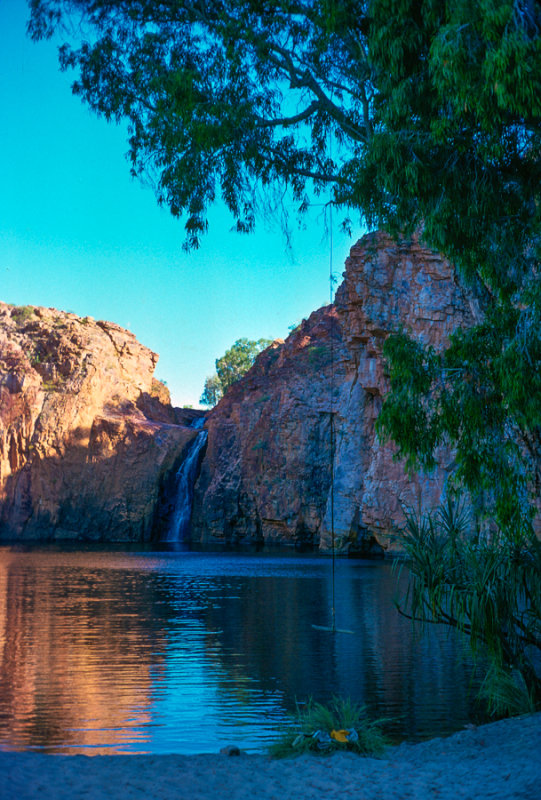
(87, 435)
(267, 471)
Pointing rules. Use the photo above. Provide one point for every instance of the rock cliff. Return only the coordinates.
(87, 435)
(271, 453)
(89, 443)
(266, 473)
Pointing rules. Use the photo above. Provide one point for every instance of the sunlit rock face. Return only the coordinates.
(267, 472)
(86, 433)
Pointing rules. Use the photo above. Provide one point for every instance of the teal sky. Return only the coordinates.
(77, 233)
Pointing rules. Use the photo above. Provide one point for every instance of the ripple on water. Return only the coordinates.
(105, 650)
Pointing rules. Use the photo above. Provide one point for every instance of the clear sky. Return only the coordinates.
(77, 233)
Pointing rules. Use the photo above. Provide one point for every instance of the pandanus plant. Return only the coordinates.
(487, 587)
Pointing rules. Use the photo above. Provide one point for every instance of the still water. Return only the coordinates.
(110, 651)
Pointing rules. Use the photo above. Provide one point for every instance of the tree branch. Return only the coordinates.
(287, 121)
(292, 169)
(305, 79)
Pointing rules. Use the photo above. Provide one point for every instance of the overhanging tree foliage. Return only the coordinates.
(462, 125)
(420, 115)
(222, 96)
(432, 108)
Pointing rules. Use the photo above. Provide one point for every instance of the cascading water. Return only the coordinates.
(184, 487)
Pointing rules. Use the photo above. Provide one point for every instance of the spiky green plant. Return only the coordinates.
(488, 588)
(506, 694)
(312, 728)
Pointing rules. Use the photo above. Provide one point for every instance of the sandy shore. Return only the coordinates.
(501, 760)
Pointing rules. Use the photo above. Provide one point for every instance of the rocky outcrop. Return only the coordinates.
(87, 435)
(266, 474)
(389, 285)
(271, 453)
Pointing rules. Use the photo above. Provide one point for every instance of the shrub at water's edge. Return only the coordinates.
(342, 725)
(486, 587)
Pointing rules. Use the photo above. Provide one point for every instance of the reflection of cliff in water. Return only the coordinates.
(66, 642)
(185, 652)
(423, 681)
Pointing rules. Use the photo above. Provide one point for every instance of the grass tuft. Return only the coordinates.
(316, 725)
(506, 693)
(22, 313)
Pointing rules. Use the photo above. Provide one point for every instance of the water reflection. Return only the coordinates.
(108, 651)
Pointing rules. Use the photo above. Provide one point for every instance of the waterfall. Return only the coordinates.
(184, 487)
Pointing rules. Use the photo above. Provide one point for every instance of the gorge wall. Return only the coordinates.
(90, 445)
(87, 435)
(267, 470)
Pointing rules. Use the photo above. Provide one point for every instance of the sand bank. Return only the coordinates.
(500, 760)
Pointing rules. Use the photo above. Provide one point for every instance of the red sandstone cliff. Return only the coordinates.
(88, 440)
(87, 435)
(267, 471)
